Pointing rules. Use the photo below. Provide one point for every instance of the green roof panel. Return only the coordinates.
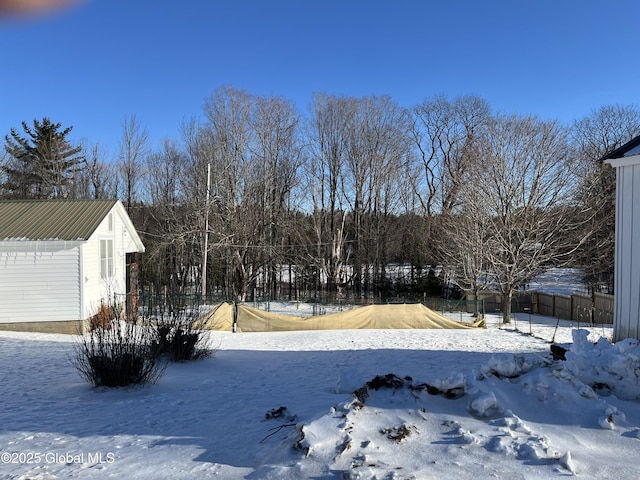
(51, 219)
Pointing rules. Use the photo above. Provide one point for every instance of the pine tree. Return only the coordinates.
(43, 163)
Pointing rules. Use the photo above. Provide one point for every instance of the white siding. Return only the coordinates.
(60, 280)
(627, 262)
(96, 289)
(91, 284)
(39, 281)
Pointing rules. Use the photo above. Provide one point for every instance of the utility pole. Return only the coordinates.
(206, 235)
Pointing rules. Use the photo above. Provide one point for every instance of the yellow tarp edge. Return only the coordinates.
(396, 316)
(219, 318)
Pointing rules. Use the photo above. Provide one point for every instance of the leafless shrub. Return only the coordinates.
(117, 353)
(177, 333)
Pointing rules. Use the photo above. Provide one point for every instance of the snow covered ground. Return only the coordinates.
(563, 281)
(430, 404)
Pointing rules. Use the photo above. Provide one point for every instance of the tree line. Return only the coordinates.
(258, 196)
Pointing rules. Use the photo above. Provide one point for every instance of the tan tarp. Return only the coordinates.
(372, 316)
(220, 318)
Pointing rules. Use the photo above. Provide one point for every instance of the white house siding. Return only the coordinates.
(97, 290)
(39, 281)
(627, 262)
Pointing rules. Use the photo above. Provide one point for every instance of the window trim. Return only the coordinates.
(107, 266)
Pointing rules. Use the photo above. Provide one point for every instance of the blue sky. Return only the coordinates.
(91, 65)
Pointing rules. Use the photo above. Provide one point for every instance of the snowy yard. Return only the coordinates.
(462, 404)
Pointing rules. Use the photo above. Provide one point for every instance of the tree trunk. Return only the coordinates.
(506, 306)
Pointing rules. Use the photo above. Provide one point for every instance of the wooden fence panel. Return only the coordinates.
(603, 308)
(577, 308)
(546, 304)
(581, 308)
(562, 307)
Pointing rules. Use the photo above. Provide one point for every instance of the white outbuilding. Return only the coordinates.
(626, 161)
(61, 259)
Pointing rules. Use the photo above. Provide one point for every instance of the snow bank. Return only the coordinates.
(608, 368)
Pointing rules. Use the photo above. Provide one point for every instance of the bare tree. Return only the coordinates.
(604, 130)
(377, 148)
(134, 147)
(445, 134)
(359, 151)
(172, 220)
(254, 150)
(196, 184)
(195, 151)
(594, 136)
(463, 250)
(98, 178)
(277, 157)
(327, 135)
(233, 226)
(165, 173)
(521, 200)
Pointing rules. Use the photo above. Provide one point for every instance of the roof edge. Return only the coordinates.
(620, 151)
(130, 226)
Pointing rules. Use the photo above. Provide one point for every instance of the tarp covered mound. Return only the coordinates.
(372, 316)
(220, 318)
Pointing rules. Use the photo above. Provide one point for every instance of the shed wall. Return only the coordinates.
(97, 290)
(627, 263)
(39, 281)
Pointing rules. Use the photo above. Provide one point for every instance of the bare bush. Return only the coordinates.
(177, 334)
(117, 354)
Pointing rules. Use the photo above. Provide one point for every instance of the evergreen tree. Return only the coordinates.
(42, 164)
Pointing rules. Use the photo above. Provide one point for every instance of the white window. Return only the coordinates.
(106, 258)
(110, 221)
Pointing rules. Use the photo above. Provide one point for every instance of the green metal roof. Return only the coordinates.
(51, 219)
